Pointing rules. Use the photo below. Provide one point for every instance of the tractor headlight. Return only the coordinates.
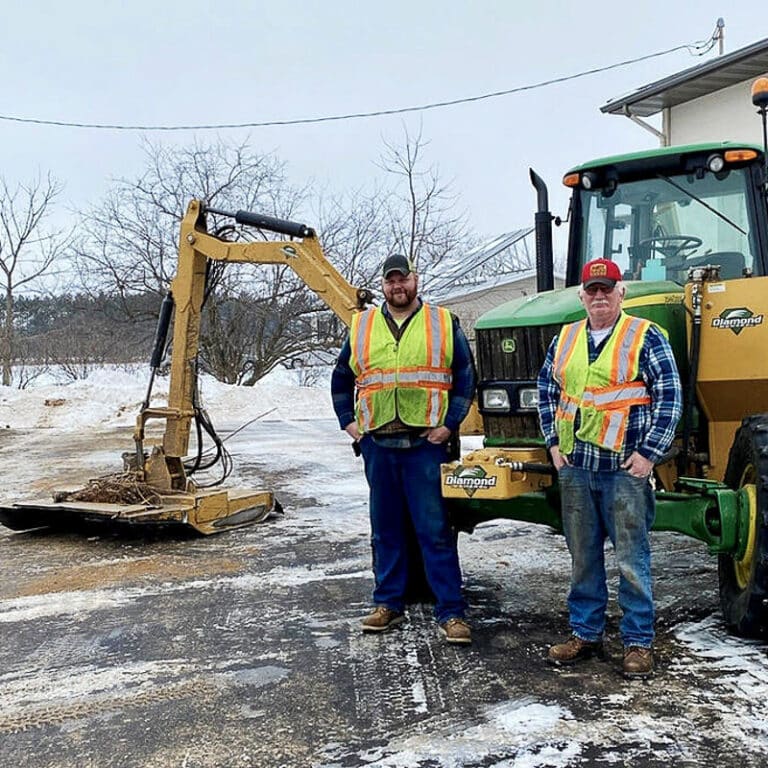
(528, 398)
(496, 400)
(501, 397)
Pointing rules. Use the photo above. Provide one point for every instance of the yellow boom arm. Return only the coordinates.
(196, 248)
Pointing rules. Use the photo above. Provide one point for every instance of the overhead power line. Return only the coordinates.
(695, 49)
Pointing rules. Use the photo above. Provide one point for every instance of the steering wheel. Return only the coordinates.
(671, 245)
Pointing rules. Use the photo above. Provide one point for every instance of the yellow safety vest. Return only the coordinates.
(409, 379)
(602, 392)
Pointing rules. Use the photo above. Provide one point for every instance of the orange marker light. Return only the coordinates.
(760, 92)
(740, 155)
(571, 180)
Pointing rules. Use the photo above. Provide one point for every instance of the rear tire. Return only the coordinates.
(744, 582)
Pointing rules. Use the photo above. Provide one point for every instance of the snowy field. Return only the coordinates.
(243, 649)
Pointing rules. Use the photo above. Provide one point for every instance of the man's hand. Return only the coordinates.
(557, 458)
(638, 466)
(436, 435)
(352, 430)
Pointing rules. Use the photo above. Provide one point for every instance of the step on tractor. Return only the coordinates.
(156, 487)
(688, 228)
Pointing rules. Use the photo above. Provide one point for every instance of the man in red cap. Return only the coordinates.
(609, 402)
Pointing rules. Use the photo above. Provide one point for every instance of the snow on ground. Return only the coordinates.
(112, 398)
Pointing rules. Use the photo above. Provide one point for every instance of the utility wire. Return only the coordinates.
(695, 49)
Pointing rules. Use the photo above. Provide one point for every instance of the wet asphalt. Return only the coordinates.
(244, 649)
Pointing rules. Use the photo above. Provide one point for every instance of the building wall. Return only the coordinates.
(470, 307)
(727, 114)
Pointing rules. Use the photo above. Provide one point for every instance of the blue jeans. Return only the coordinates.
(405, 485)
(621, 507)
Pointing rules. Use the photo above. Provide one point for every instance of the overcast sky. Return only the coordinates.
(168, 62)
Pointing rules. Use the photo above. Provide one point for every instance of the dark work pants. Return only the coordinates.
(405, 493)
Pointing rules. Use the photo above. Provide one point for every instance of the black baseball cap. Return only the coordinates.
(397, 263)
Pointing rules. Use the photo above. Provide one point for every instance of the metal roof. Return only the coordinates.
(725, 70)
(465, 291)
(501, 259)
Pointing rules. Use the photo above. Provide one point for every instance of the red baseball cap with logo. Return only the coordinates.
(600, 272)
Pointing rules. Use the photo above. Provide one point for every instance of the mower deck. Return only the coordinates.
(209, 511)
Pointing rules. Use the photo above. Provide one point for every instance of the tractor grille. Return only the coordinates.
(522, 364)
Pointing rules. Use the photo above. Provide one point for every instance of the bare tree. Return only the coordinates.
(131, 247)
(130, 240)
(424, 223)
(246, 334)
(71, 334)
(354, 229)
(410, 211)
(256, 318)
(27, 250)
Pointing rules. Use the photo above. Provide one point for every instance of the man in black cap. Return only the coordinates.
(402, 385)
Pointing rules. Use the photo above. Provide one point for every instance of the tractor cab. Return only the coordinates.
(660, 213)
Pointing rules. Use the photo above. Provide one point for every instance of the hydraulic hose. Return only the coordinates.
(693, 368)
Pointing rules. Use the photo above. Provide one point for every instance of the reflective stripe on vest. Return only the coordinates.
(409, 379)
(602, 392)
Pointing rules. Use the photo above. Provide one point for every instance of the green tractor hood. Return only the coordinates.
(644, 299)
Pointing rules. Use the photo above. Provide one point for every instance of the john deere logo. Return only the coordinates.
(737, 319)
(508, 345)
(471, 479)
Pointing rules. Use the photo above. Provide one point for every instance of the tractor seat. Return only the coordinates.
(731, 263)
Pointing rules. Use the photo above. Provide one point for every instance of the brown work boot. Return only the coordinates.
(456, 631)
(382, 619)
(638, 662)
(574, 650)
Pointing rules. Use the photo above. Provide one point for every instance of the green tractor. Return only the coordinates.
(688, 227)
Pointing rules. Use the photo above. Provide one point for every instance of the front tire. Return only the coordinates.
(744, 581)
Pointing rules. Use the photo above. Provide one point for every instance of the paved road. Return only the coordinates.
(243, 649)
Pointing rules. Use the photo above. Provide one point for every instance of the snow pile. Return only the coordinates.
(112, 398)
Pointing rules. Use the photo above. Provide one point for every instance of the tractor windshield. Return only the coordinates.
(658, 228)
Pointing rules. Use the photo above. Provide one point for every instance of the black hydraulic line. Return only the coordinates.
(199, 437)
(222, 454)
(200, 418)
(192, 468)
(693, 368)
(530, 466)
(203, 424)
(271, 223)
(206, 424)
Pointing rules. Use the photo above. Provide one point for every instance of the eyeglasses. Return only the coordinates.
(593, 289)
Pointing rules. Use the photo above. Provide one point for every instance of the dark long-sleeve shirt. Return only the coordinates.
(459, 397)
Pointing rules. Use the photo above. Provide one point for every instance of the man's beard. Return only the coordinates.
(401, 298)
